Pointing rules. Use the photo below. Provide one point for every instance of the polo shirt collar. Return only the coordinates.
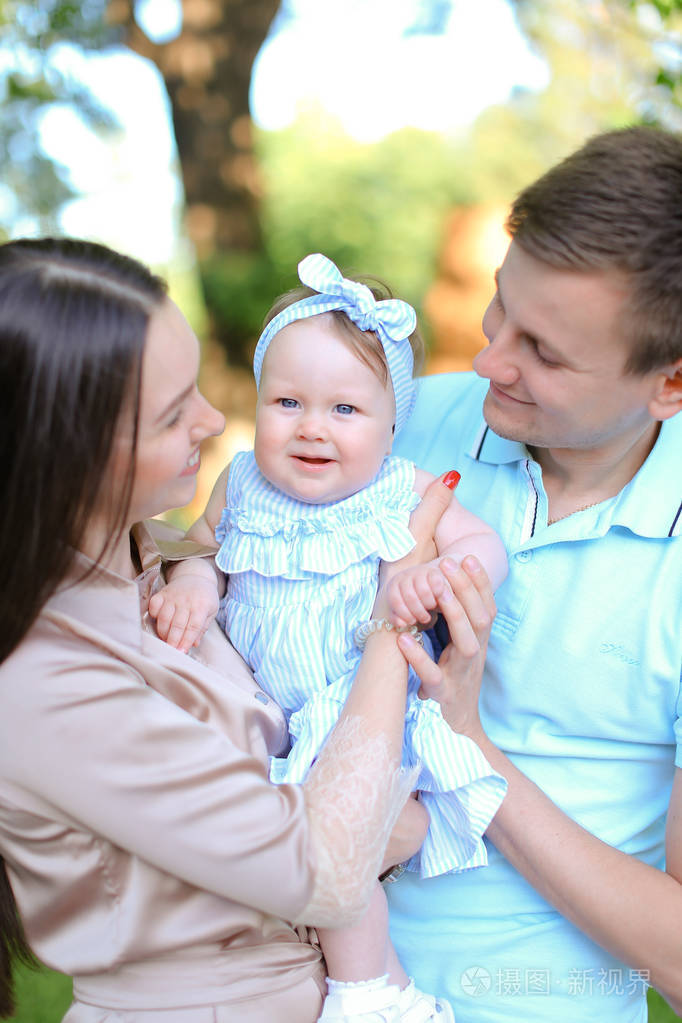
(487, 446)
(651, 503)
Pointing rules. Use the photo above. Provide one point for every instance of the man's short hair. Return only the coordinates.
(616, 206)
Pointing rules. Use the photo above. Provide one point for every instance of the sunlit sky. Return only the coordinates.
(348, 58)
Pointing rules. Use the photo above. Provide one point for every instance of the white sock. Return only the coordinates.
(335, 987)
(407, 993)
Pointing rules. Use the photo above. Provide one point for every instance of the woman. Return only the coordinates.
(149, 856)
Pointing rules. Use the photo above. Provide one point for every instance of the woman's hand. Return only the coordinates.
(468, 607)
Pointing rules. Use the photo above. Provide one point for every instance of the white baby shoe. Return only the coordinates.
(417, 1007)
(358, 1005)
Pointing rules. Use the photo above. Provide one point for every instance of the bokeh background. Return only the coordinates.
(220, 141)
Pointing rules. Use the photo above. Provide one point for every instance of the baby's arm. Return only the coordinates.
(411, 593)
(409, 832)
(186, 605)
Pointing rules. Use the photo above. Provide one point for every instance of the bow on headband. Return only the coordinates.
(392, 320)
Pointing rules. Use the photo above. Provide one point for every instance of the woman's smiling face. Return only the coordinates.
(174, 418)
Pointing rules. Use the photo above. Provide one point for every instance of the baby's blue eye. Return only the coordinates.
(288, 402)
(345, 410)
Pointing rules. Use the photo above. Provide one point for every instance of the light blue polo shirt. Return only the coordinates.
(581, 691)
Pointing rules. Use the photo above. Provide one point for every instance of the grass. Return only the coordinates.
(660, 1011)
(43, 997)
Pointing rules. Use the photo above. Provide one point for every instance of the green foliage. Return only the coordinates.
(608, 55)
(238, 288)
(34, 187)
(375, 209)
(659, 1010)
(666, 8)
(42, 996)
(45, 22)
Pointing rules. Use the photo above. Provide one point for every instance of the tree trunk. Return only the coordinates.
(207, 72)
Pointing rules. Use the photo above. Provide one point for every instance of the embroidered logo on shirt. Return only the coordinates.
(619, 651)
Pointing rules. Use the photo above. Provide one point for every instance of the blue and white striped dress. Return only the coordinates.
(301, 579)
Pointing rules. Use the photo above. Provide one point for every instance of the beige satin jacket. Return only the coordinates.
(150, 857)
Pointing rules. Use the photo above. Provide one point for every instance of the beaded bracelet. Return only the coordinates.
(365, 630)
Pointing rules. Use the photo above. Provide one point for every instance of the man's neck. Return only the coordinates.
(577, 478)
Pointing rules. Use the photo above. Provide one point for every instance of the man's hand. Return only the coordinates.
(468, 607)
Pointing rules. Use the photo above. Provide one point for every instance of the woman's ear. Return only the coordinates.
(667, 401)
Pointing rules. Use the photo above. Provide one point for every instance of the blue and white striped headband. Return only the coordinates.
(392, 320)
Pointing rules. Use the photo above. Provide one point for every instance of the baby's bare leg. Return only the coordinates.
(364, 951)
(365, 976)
(359, 952)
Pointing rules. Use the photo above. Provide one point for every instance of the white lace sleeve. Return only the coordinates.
(354, 793)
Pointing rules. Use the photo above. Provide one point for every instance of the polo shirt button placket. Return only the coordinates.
(523, 555)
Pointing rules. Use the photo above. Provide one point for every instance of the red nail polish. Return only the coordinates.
(451, 479)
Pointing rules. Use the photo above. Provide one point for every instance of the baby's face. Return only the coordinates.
(324, 420)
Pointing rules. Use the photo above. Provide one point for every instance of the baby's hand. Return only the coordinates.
(413, 594)
(184, 609)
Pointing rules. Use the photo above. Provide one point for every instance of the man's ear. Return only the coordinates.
(667, 400)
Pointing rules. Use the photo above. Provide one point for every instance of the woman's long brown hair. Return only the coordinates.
(73, 321)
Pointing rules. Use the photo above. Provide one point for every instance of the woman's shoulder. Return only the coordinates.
(58, 653)
(48, 681)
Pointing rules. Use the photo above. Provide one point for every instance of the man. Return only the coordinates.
(570, 445)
